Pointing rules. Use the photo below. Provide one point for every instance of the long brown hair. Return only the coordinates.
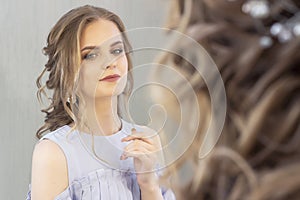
(258, 154)
(64, 61)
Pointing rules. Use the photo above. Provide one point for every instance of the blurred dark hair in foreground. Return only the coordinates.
(256, 46)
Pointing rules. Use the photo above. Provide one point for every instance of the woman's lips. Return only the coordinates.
(111, 78)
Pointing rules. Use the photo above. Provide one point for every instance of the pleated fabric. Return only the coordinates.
(90, 179)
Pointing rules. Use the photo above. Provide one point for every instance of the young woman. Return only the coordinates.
(91, 152)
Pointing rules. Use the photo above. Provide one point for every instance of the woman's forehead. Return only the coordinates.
(99, 32)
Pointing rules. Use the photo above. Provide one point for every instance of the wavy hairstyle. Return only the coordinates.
(64, 59)
(258, 154)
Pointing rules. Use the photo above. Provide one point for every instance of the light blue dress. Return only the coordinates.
(91, 178)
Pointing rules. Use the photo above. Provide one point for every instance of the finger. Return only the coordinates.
(141, 149)
(130, 138)
(135, 153)
(141, 155)
(137, 136)
(137, 143)
(144, 133)
(142, 152)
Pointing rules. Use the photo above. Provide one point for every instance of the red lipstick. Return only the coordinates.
(111, 78)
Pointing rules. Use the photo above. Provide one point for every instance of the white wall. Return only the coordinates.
(24, 28)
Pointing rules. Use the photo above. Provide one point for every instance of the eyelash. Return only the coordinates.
(86, 56)
(118, 49)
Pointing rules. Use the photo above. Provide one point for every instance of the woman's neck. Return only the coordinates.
(102, 118)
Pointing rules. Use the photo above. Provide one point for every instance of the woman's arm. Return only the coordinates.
(49, 175)
(145, 148)
(150, 193)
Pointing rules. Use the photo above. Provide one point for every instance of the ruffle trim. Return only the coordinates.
(105, 184)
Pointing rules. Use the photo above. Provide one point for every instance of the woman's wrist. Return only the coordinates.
(151, 192)
(148, 180)
(149, 187)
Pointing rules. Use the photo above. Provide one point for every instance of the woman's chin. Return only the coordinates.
(108, 94)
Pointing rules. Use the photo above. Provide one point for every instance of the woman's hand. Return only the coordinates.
(144, 148)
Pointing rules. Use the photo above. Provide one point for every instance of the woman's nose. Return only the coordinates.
(111, 65)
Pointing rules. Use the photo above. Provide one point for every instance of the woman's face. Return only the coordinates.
(103, 54)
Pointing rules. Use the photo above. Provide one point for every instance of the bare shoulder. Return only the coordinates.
(49, 175)
(47, 152)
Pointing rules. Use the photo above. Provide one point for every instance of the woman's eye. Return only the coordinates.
(117, 51)
(90, 56)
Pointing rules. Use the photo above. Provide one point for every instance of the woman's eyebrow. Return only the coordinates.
(90, 47)
(97, 47)
(115, 43)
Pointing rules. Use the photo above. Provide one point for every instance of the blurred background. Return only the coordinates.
(24, 29)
